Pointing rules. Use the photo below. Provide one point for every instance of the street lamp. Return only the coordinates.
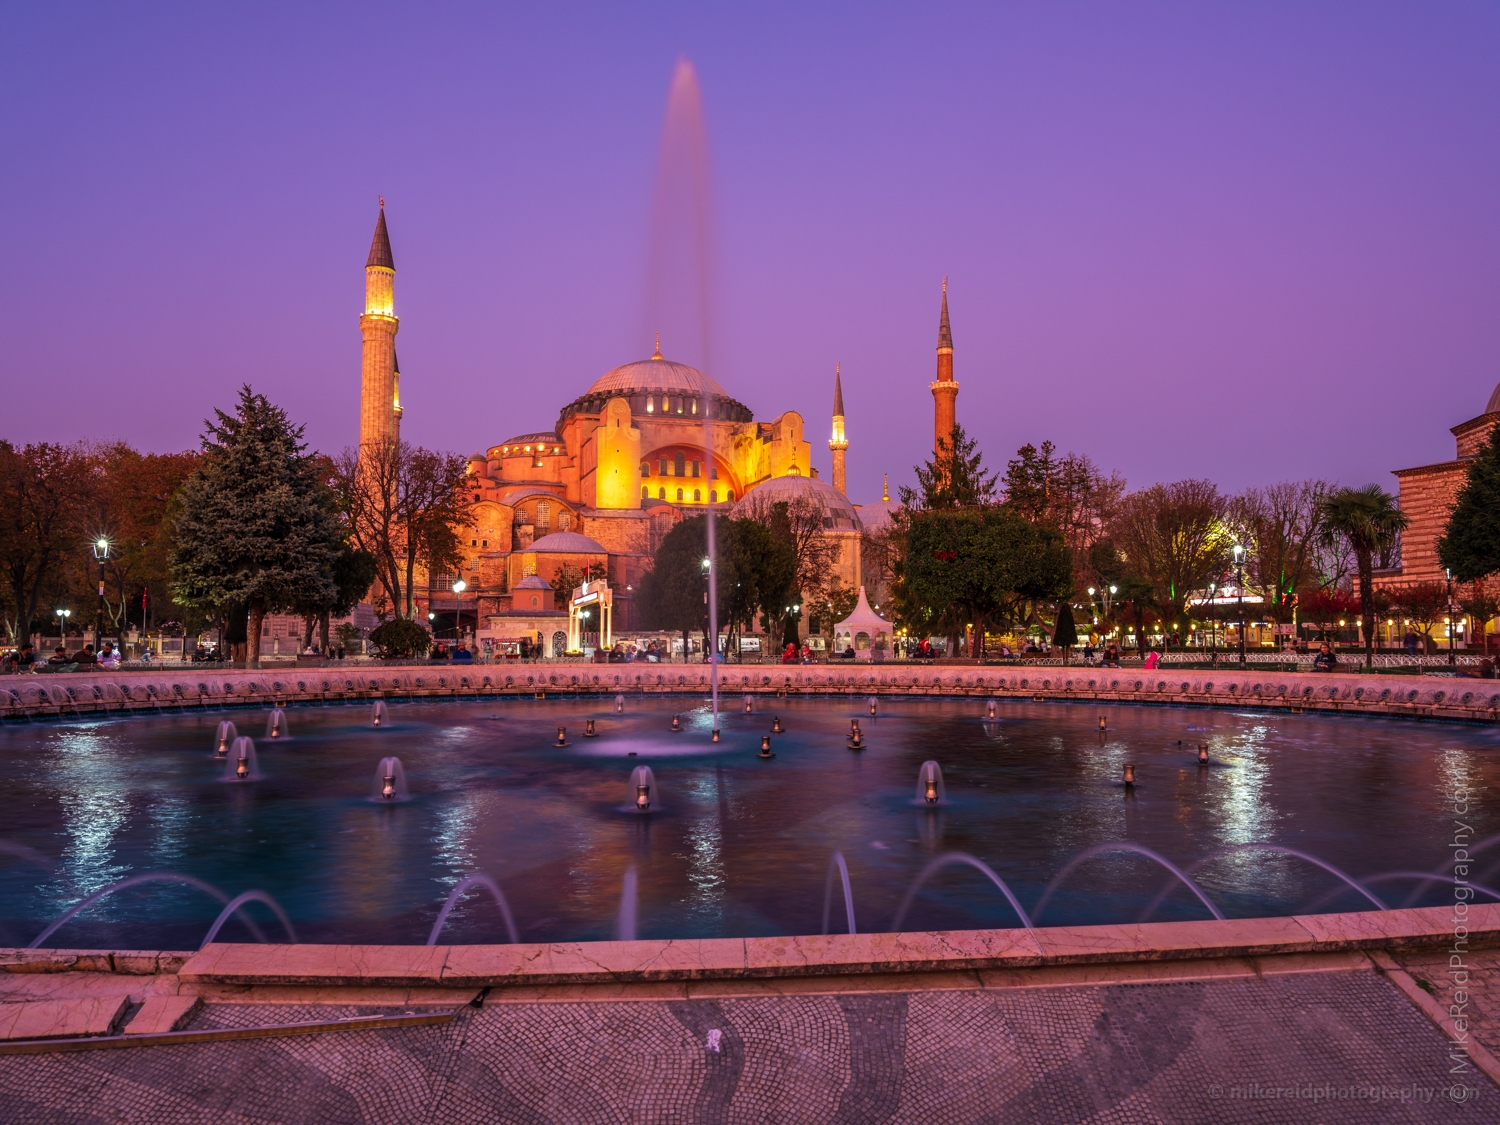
(1452, 657)
(101, 552)
(62, 624)
(1239, 595)
(458, 610)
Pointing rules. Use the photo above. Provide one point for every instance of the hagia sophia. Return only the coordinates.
(646, 445)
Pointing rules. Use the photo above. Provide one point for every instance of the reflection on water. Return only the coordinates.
(739, 846)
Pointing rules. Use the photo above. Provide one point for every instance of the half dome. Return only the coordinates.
(838, 514)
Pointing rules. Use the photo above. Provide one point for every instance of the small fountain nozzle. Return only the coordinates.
(991, 710)
(856, 740)
(747, 705)
(1102, 725)
(715, 738)
(872, 707)
(931, 794)
(642, 797)
(619, 705)
(388, 789)
(562, 736)
(588, 730)
(1203, 753)
(776, 727)
(676, 726)
(1130, 777)
(242, 769)
(765, 747)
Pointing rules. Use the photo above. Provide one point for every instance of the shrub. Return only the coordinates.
(397, 639)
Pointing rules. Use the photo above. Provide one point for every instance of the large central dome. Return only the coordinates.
(660, 375)
(659, 387)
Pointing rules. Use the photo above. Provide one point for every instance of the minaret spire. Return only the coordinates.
(885, 486)
(838, 443)
(657, 353)
(944, 387)
(380, 393)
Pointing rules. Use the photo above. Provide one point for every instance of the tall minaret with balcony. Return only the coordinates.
(838, 442)
(379, 399)
(944, 388)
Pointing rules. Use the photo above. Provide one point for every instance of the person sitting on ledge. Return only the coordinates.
(1153, 658)
(109, 656)
(85, 656)
(461, 655)
(1325, 661)
(59, 657)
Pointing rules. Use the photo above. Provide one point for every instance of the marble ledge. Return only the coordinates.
(131, 962)
(232, 963)
(61, 1019)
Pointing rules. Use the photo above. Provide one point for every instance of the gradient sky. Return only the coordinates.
(1246, 242)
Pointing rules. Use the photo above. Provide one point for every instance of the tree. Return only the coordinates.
(798, 524)
(43, 494)
(1173, 538)
(1470, 546)
(399, 639)
(1480, 608)
(758, 572)
(404, 505)
(954, 478)
(256, 526)
(566, 579)
(1368, 521)
(353, 572)
(961, 567)
(1065, 635)
(1279, 526)
(673, 593)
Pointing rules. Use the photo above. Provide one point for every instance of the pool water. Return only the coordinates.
(733, 845)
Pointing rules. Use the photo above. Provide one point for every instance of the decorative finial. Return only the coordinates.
(885, 487)
(657, 354)
(945, 283)
(382, 201)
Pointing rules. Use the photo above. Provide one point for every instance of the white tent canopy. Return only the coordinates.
(864, 630)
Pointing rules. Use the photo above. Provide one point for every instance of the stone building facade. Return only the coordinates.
(646, 445)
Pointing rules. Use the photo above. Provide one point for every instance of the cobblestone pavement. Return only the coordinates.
(1312, 1047)
(1475, 983)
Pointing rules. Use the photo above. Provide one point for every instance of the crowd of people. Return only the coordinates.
(26, 659)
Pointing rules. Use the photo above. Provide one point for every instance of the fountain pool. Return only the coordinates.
(740, 845)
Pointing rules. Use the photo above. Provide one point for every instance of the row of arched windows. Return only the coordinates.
(682, 498)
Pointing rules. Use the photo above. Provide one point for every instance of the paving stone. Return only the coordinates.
(1293, 1047)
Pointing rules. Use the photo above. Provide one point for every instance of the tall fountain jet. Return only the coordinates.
(680, 275)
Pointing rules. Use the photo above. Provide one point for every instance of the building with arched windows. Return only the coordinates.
(647, 444)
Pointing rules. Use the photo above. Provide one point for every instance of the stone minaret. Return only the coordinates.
(838, 442)
(379, 397)
(944, 388)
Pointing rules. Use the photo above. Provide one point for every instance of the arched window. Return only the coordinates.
(650, 404)
(713, 495)
(645, 468)
(564, 520)
(543, 516)
(661, 493)
(679, 404)
(679, 496)
(645, 492)
(695, 406)
(681, 465)
(697, 496)
(696, 465)
(729, 496)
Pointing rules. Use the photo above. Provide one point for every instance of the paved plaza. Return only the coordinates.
(1328, 1046)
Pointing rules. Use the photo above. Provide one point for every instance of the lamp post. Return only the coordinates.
(458, 609)
(706, 566)
(101, 552)
(1452, 656)
(1239, 595)
(62, 624)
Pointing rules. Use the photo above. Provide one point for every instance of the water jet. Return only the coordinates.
(378, 716)
(276, 725)
(642, 781)
(930, 788)
(619, 705)
(225, 736)
(242, 761)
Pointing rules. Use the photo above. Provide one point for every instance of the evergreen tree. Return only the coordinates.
(1470, 546)
(673, 593)
(1065, 635)
(255, 524)
(954, 478)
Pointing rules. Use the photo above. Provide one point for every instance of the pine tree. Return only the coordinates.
(1065, 635)
(954, 478)
(255, 524)
(1470, 546)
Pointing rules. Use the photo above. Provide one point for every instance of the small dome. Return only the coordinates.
(567, 543)
(548, 438)
(1494, 404)
(877, 516)
(838, 513)
(532, 582)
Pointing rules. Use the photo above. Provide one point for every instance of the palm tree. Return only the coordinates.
(1368, 520)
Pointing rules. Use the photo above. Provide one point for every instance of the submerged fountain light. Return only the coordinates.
(676, 727)
(776, 727)
(765, 747)
(225, 736)
(562, 736)
(588, 730)
(1129, 776)
(930, 788)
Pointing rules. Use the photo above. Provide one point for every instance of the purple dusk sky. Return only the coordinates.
(1246, 242)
